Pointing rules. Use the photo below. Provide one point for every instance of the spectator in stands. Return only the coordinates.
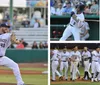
(11, 46)
(20, 45)
(45, 44)
(94, 8)
(68, 8)
(60, 9)
(26, 23)
(34, 46)
(7, 16)
(41, 46)
(67, 1)
(24, 43)
(36, 23)
(87, 10)
(53, 9)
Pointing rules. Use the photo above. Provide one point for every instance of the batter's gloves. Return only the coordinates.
(72, 13)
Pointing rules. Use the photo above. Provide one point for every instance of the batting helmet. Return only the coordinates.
(81, 6)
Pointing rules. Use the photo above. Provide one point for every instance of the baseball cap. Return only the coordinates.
(4, 25)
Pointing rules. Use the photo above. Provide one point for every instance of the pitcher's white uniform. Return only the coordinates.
(73, 68)
(83, 29)
(73, 28)
(86, 55)
(55, 64)
(64, 63)
(95, 63)
(5, 42)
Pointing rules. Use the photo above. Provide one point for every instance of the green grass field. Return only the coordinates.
(36, 79)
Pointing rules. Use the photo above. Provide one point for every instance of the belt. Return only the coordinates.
(95, 61)
(86, 59)
(63, 61)
(1, 56)
(71, 25)
(54, 60)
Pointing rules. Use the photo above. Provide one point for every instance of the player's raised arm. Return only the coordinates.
(14, 40)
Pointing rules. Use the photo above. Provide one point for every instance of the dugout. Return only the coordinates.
(59, 23)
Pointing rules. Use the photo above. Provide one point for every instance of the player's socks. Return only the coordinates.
(92, 80)
(87, 75)
(97, 73)
(84, 74)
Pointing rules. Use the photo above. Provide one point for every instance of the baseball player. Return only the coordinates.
(95, 66)
(99, 65)
(86, 57)
(75, 24)
(75, 57)
(84, 31)
(54, 65)
(6, 39)
(64, 63)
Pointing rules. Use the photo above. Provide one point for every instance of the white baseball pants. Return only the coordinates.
(74, 70)
(54, 69)
(71, 31)
(85, 37)
(64, 65)
(5, 61)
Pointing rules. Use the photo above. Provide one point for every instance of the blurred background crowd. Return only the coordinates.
(30, 20)
(63, 7)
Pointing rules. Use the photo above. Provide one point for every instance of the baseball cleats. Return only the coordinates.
(60, 78)
(53, 80)
(70, 79)
(78, 77)
(66, 79)
(92, 80)
(95, 79)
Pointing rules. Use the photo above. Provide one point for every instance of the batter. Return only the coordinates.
(75, 24)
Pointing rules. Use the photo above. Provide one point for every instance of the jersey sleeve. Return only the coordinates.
(81, 18)
(94, 53)
(89, 54)
(9, 39)
(87, 26)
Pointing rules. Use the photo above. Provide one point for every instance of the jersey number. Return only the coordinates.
(2, 45)
(74, 23)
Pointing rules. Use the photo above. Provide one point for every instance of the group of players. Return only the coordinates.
(65, 59)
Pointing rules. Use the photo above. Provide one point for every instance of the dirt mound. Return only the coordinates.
(10, 84)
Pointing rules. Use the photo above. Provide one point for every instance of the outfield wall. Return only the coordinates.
(27, 56)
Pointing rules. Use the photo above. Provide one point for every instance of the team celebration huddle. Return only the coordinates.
(65, 64)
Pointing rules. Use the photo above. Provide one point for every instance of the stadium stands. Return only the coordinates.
(32, 34)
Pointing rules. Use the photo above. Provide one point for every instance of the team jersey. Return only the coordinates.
(86, 54)
(80, 17)
(55, 55)
(77, 53)
(95, 55)
(5, 42)
(64, 56)
(85, 27)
